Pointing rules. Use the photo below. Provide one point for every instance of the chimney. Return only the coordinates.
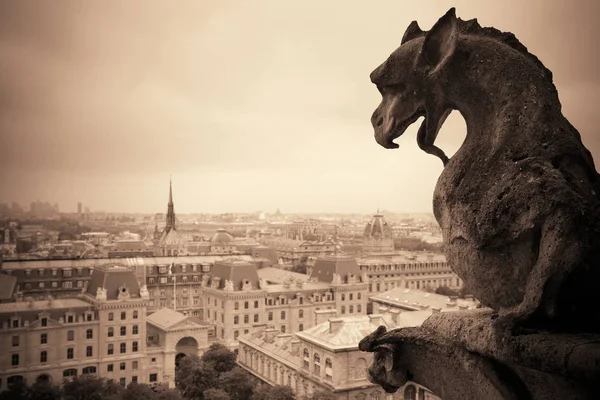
(322, 316)
(270, 334)
(463, 307)
(469, 297)
(435, 310)
(335, 324)
(395, 315)
(376, 319)
(295, 347)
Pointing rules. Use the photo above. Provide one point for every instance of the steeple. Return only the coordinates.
(170, 209)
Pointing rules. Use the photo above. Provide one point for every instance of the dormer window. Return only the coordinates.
(44, 321)
(67, 273)
(15, 322)
(27, 272)
(41, 272)
(70, 318)
(54, 272)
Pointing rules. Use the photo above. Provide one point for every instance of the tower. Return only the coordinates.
(170, 210)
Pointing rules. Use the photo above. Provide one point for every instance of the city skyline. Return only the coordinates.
(249, 106)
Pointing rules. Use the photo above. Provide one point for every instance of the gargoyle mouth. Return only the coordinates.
(386, 139)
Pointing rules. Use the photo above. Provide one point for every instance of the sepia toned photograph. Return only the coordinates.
(299, 200)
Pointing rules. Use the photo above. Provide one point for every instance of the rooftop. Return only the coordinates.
(279, 276)
(412, 299)
(345, 333)
(57, 304)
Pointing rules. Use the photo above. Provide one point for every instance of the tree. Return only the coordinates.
(323, 395)
(219, 357)
(43, 391)
(16, 391)
(91, 387)
(138, 391)
(300, 269)
(169, 394)
(238, 383)
(193, 377)
(277, 392)
(216, 394)
(446, 291)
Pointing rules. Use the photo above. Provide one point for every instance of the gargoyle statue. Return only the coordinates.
(518, 203)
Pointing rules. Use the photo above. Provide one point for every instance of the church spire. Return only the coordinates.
(170, 208)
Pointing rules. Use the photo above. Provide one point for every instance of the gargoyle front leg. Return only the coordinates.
(559, 254)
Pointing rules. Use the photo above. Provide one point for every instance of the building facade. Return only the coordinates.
(103, 331)
(238, 301)
(324, 357)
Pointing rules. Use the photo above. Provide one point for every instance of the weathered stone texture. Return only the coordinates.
(519, 210)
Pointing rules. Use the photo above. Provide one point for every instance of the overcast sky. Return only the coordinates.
(250, 105)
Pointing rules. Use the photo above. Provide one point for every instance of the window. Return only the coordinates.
(123, 330)
(359, 308)
(134, 330)
(110, 349)
(256, 304)
(89, 334)
(246, 319)
(255, 317)
(153, 377)
(343, 297)
(15, 323)
(43, 356)
(89, 351)
(15, 360)
(351, 309)
(109, 368)
(236, 306)
(235, 335)
(301, 314)
(236, 319)
(122, 366)
(15, 341)
(306, 358)
(44, 338)
(123, 348)
(70, 319)
(111, 316)
(44, 321)
(343, 309)
(301, 327)
(111, 332)
(134, 346)
(122, 381)
(123, 315)
(134, 365)
(70, 353)
(282, 328)
(283, 315)
(89, 316)
(246, 331)
(246, 305)
(135, 314)
(134, 379)
(317, 364)
(270, 316)
(358, 296)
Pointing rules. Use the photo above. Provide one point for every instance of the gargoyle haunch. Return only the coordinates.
(518, 203)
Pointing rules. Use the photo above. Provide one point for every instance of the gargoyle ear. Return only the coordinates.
(441, 41)
(413, 31)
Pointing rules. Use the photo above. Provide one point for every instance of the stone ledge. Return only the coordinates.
(470, 355)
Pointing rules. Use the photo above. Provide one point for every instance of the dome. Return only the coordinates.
(378, 228)
(221, 237)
